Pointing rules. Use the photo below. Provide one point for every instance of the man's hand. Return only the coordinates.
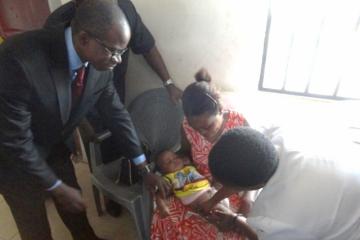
(69, 198)
(156, 183)
(174, 92)
(226, 221)
(162, 206)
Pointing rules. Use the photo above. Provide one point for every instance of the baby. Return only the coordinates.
(188, 184)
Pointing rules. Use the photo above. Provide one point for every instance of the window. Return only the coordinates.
(312, 48)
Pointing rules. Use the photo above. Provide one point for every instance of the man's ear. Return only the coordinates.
(82, 44)
(83, 38)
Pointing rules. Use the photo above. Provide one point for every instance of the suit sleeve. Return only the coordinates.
(17, 147)
(117, 118)
(62, 15)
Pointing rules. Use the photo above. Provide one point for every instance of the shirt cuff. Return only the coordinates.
(139, 160)
(55, 185)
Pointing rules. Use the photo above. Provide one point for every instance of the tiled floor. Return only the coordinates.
(105, 226)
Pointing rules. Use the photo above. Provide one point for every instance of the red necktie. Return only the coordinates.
(79, 82)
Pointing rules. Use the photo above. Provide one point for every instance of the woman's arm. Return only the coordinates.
(221, 194)
(248, 198)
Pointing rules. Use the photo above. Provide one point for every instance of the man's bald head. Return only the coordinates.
(100, 31)
(97, 17)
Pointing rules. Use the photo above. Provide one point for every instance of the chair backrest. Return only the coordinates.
(95, 156)
(157, 120)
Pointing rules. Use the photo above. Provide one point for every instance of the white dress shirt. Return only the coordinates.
(315, 192)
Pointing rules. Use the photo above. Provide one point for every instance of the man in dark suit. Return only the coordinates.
(49, 80)
(141, 42)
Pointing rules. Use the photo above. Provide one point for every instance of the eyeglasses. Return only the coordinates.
(114, 53)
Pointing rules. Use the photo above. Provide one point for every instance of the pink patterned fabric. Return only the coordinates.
(183, 223)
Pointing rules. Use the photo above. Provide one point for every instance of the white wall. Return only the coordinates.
(53, 4)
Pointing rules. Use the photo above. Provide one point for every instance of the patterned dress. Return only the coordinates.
(183, 223)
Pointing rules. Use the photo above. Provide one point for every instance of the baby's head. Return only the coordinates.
(168, 162)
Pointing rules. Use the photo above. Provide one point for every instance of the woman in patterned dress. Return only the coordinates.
(205, 121)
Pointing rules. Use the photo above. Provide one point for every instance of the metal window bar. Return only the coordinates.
(306, 92)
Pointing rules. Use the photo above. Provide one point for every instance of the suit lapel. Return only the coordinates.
(60, 72)
(62, 83)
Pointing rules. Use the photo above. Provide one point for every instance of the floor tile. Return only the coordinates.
(8, 227)
(16, 237)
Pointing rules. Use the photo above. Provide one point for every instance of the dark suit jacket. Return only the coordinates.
(35, 104)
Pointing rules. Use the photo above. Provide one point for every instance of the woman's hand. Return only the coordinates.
(223, 220)
(226, 221)
(207, 206)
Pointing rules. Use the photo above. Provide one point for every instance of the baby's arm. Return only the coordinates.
(161, 205)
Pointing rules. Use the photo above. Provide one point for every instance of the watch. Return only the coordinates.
(168, 82)
(145, 170)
